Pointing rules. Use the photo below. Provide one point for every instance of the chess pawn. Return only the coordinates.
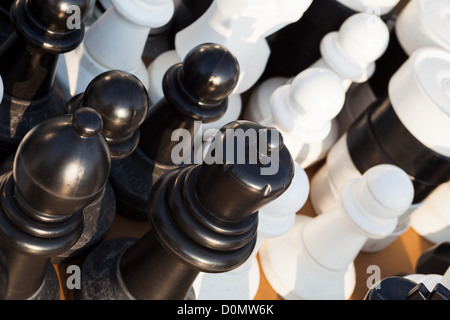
(122, 102)
(314, 260)
(28, 65)
(410, 130)
(61, 166)
(349, 52)
(435, 260)
(115, 41)
(303, 112)
(412, 287)
(274, 220)
(240, 26)
(297, 46)
(419, 24)
(196, 91)
(203, 218)
(432, 219)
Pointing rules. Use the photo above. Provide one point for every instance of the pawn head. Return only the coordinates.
(386, 191)
(209, 72)
(63, 163)
(122, 101)
(317, 93)
(364, 37)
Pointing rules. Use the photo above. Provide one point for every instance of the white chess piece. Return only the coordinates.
(421, 23)
(275, 219)
(420, 96)
(314, 260)
(241, 26)
(432, 219)
(115, 41)
(349, 52)
(303, 109)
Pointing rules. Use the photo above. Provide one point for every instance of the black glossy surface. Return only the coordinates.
(203, 218)
(399, 288)
(29, 58)
(435, 260)
(122, 101)
(195, 90)
(378, 136)
(60, 168)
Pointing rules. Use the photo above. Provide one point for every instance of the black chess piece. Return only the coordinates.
(203, 218)
(400, 288)
(195, 90)
(122, 102)
(297, 46)
(28, 64)
(435, 260)
(61, 166)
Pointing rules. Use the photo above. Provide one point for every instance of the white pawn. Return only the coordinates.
(274, 220)
(242, 27)
(303, 111)
(350, 53)
(115, 41)
(314, 260)
(432, 219)
(420, 96)
(421, 23)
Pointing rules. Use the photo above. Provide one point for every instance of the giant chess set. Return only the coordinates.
(169, 149)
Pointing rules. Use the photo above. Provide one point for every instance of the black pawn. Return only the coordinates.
(203, 218)
(196, 90)
(28, 64)
(61, 166)
(122, 102)
(435, 260)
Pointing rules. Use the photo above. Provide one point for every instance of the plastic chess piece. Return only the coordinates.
(274, 220)
(28, 64)
(350, 53)
(410, 130)
(303, 112)
(419, 24)
(432, 219)
(122, 102)
(61, 166)
(240, 26)
(203, 218)
(435, 260)
(115, 41)
(314, 260)
(412, 287)
(297, 46)
(196, 91)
